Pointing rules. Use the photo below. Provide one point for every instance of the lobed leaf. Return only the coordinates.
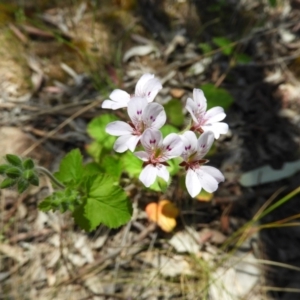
(96, 129)
(131, 164)
(71, 168)
(105, 203)
(112, 165)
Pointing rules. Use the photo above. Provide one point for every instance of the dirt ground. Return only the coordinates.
(59, 58)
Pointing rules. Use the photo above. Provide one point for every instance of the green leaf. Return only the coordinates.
(13, 172)
(273, 3)
(14, 160)
(224, 44)
(46, 204)
(159, 185)
(28, 164)
(131, 164)
(112, 165)
(22, 185)
(105, 203)
(96, 129)
(173, 166)
(167, 129)
(205, 47)
(3, 168)
(216, 96)
(174, 112)
(60, 200)
(71, 169)
(91, 169)
(7, 182)
(243, 58)
(155, 186)
(95, 150)
(28, 174)
(34, 180)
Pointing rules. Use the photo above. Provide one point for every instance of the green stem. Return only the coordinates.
(49, 174)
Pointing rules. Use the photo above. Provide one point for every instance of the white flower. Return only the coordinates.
(158, 151)
(143, 116)
(199, 176)
(206, 120)
(147, 87)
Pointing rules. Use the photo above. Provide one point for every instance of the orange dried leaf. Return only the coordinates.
(168, 209)
(166, 224)
(152, 211)
(163, 213)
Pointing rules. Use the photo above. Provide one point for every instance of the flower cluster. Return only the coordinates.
(147, 117)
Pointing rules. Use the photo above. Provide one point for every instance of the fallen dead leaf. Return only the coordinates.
(212, 235)
(168, 266)
(186, 241)
(14, 252)
(15, 141)
(164, 214)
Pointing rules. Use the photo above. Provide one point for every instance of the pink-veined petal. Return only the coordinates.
(160, 120)
(162, 172)
(214, 172)
(151, 140)
(214, 115)
(118, 128)
(216, 128)
(132, 142)
(208, 182)
(121, 143)
(151, 88)
(192, 183)
(172, 146)
(141, 84)
(204, 143)
(190, 144)
(135, 109)
(200, 100)
(148, 175)
(154, 116)
(143, 155)
(191, 107)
